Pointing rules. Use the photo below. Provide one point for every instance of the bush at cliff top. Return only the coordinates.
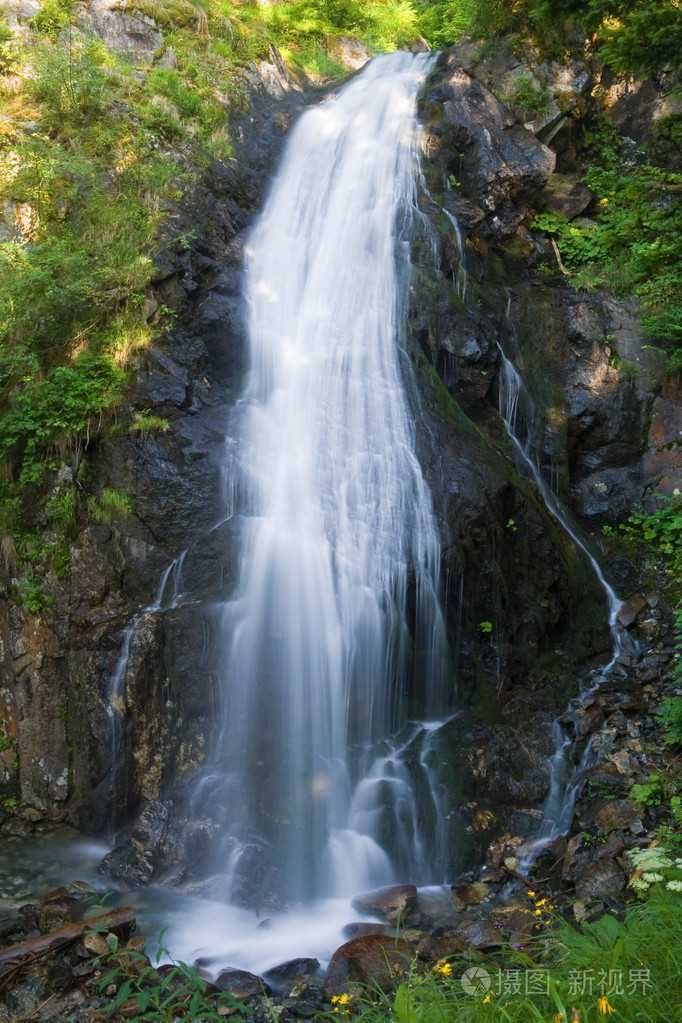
(632, 36)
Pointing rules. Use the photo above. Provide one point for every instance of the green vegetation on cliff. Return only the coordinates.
(97, 148)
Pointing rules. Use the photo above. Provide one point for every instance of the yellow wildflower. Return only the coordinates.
(488, 998)
(604, 1006)
(444, 968)
(540, 903)
(537, 912)
(560, 1017)
(341, 1000)
(531, 894)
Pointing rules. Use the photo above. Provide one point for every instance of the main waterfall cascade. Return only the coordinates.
(319, 781)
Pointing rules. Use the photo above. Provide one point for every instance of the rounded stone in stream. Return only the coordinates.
(375, 959)
(284, 976)
(392, 903)
(241, 984)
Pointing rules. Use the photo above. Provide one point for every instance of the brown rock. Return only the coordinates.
(470, 894)
(240, 984)
(391, 904)
(601, 880)
(480, 933)
(434, 947)
(617, 813)
(373, 960)
(567, 195)
(588, 721)
(630, 609)
(514, 917)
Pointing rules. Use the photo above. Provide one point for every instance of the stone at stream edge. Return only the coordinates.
(602, 880)
(392, 904)
(241, 984)
(375, 959)
(284, 976)
(617, 813)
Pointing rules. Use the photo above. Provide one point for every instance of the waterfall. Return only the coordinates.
(334, 642)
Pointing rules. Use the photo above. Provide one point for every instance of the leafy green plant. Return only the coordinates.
(110, 505)
(671, 719)
(8, 49)
(178, 992)
(649, 793)
(531, 99)
(486, 628)
(30, 595)
(52, 18)
(60, 509)
(634, 246)
(662, 529)
(146, 422)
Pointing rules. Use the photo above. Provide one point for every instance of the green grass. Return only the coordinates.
(640, 956)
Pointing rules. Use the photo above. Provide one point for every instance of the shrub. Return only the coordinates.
(111, 504)
(531, 99)
(52, 18)
(8, 49)
(671, 719)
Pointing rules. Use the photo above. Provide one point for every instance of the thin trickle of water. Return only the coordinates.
(337, 603)
(565, 776)
(167, 595)
(462, 278)
(512, 394)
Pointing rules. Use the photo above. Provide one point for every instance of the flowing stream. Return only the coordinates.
(335, 687)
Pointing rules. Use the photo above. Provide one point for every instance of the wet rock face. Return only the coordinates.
(522, 602)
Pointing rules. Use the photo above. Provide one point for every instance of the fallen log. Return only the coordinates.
(24, 951)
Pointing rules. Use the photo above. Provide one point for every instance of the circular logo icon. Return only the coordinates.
(476, 980)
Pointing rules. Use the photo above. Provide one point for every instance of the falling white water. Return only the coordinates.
(334, 637)
(565, 776)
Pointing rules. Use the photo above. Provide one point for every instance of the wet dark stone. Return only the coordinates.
(241, 984)
(285, 975)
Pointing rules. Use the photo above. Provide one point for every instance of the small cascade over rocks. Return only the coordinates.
(318, 782)
(167, 596)
(565, 774)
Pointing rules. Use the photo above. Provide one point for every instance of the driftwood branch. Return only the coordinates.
(558, 258)
(16, 956)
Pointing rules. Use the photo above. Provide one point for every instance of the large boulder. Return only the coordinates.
(375, 960)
